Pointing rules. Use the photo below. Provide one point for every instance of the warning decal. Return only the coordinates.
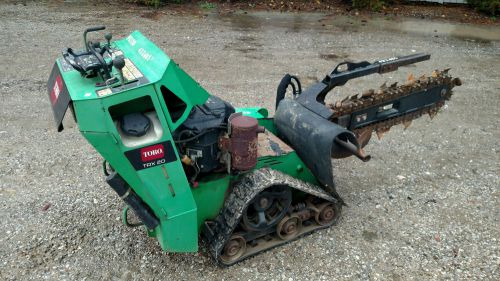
(130, 71)
(56, 90)
(58, 96)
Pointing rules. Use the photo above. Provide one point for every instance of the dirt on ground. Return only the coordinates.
(426, 207)
(421, 10)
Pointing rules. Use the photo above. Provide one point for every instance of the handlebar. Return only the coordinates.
(91, 29)
(97, 28)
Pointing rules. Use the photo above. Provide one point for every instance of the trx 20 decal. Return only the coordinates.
(151, 156)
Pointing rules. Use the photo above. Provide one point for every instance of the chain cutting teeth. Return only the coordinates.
(371, 98)
(346, 106)
(407, 123)
(382, 131)
(368, 93)
(410, 81)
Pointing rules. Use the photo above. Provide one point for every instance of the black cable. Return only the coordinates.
(204, 131)
(299, 90)
(181, 133)
(283, 85)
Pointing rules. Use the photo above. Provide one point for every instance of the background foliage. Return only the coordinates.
(491, 7)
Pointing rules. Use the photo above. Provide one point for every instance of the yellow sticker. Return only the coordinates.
(104, 92)
(132, 69)
(127, 75)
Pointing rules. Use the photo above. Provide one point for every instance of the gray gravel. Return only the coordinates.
(425, 207)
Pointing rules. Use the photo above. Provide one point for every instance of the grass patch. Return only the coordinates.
(491, 7)
(373, 5)
(207, 5)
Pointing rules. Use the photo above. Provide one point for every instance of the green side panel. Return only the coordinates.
(164, 187)
(185, 88)
(163, 71)
(90, 115)
(289, 164)
(268, 123)
(210, 195)
(150, 59)
(255, 112)
(175, 235)
(178, 230)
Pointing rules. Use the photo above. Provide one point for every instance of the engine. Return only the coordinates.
(198, 137)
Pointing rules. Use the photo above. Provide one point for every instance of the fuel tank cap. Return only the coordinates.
(135, 124)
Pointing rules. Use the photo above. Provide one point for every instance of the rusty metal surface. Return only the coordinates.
(244, 130)
(270, 145)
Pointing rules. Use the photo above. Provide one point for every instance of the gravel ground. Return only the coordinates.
(425, 207)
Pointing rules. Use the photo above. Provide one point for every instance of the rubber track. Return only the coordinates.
(218, 233)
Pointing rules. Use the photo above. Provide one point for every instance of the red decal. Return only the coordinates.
(56, 90)
(152, 152)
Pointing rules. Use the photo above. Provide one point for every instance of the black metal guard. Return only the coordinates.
(313, 98)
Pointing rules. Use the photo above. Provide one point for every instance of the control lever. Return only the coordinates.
(92, 29)
(119, 63)
(108, 38)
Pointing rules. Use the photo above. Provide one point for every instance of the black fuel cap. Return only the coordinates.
(135, 124)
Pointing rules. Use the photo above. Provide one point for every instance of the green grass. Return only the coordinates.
(207, 5)
(491, 7)
(373, 5)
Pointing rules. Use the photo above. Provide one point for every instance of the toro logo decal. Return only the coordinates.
(56, 90)
(152, 155)
(152, 152)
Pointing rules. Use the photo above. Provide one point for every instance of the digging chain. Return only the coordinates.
(384, 94)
